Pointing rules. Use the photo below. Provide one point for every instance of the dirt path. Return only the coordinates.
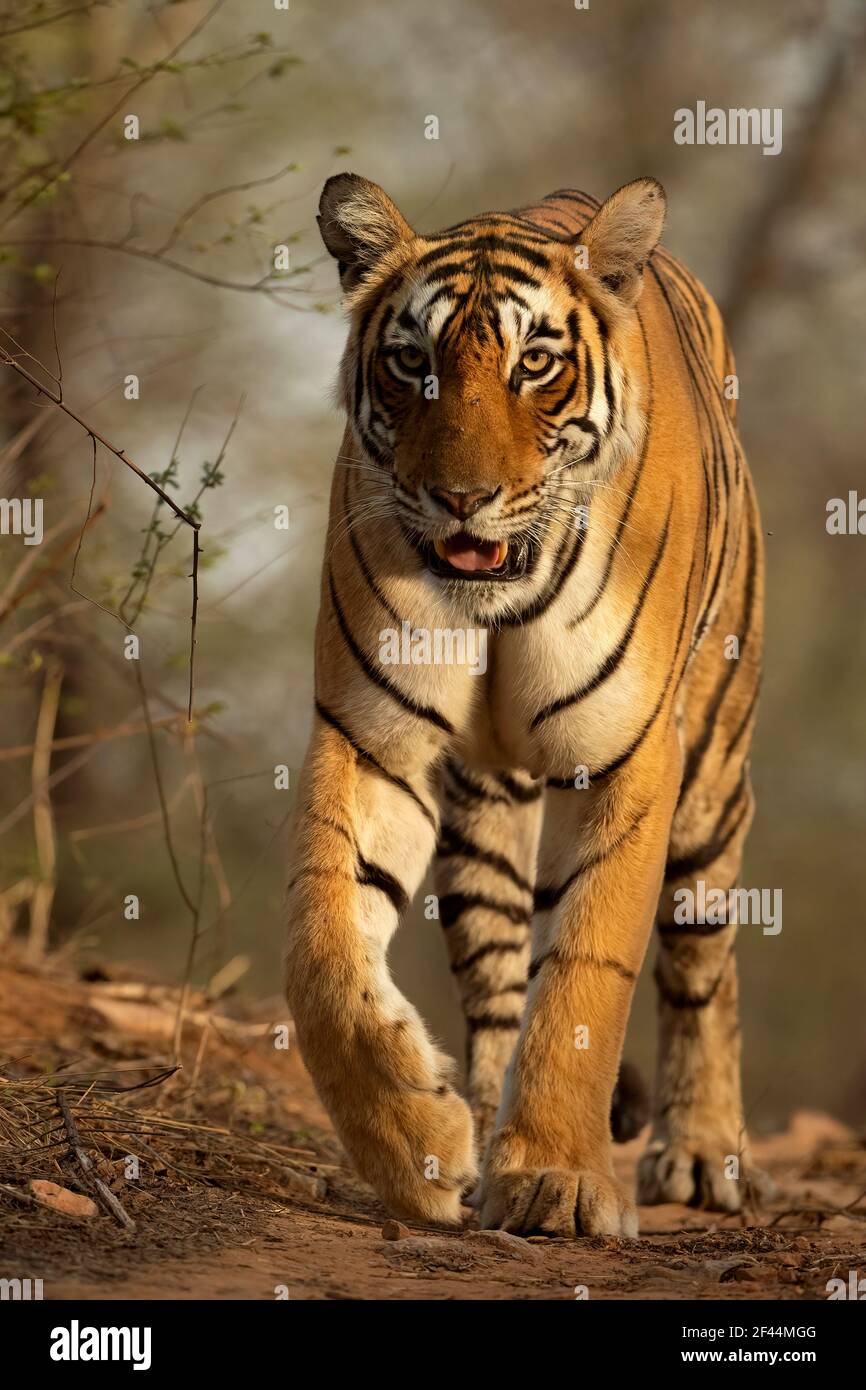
(341, 1254)
(194, 1240)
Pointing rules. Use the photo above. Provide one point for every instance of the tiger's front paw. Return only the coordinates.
(416, 1149)
(557, 1202)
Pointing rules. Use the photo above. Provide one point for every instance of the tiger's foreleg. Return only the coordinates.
(485, 877)
(549, 1166)
(362, 840)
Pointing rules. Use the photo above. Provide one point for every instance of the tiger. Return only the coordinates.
(541, 449)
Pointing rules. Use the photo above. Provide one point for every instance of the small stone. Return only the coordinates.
(537, 1240)
(516, 1247)
(50, 1194)
(801, 1243)
(394, 1230)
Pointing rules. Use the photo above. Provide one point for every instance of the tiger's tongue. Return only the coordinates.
(468, 553)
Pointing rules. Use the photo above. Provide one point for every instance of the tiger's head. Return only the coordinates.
(494, 372)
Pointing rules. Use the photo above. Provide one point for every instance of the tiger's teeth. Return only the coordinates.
(439, 547)
(501, 554)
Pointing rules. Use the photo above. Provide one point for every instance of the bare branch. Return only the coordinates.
(110, 114)
(265, 285)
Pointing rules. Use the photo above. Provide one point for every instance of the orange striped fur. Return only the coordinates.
(538, 396)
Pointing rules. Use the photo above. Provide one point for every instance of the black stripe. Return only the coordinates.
(558, 222)
(535, 965)
(574, 195)
(744, 722)
(331, 824)
(408, 320)
(471, 788)
(313, 871)
(634, 487)
(412, 706)
(366, 320)
(371, 446)
(667, 930)
(453, 905)
(371, 582)
(443, 292)
(600, 963)
(565, 399)
(505, 218)
(445, 326)
(449, 271)
(518, 791)
(484, 1021)
(701, 858)
(452, 843)
(697, 395)
(696, 754)
(606, 377)
(614, 659)
(589, 373)
(543, 328)
(554, 588)
(485, 243)
(511, 272)
(374, 876)
(330, 718)
(681, 999)
(567, 783)
(547, 898)
(692, 357)
(697, 300)
(510, 296)
(584, 423)
(493, 948)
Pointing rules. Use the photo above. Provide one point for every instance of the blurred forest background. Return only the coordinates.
(154, 258)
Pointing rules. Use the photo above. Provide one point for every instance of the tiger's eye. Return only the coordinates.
(535, 361)
(409, 358)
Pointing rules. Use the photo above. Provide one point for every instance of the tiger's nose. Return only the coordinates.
(462, 504)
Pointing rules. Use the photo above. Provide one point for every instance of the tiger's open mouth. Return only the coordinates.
(462, 556)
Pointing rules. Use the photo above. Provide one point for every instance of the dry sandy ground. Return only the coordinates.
(194, 1240)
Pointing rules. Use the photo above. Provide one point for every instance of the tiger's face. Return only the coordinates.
(493, 373)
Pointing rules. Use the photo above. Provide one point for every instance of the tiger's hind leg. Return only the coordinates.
(697, 1152)
(485, 876)
(697, 1140)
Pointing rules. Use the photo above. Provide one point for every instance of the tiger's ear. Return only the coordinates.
(622, 236)
(359, 225)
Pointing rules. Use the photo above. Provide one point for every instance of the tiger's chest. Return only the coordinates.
(549, 701)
